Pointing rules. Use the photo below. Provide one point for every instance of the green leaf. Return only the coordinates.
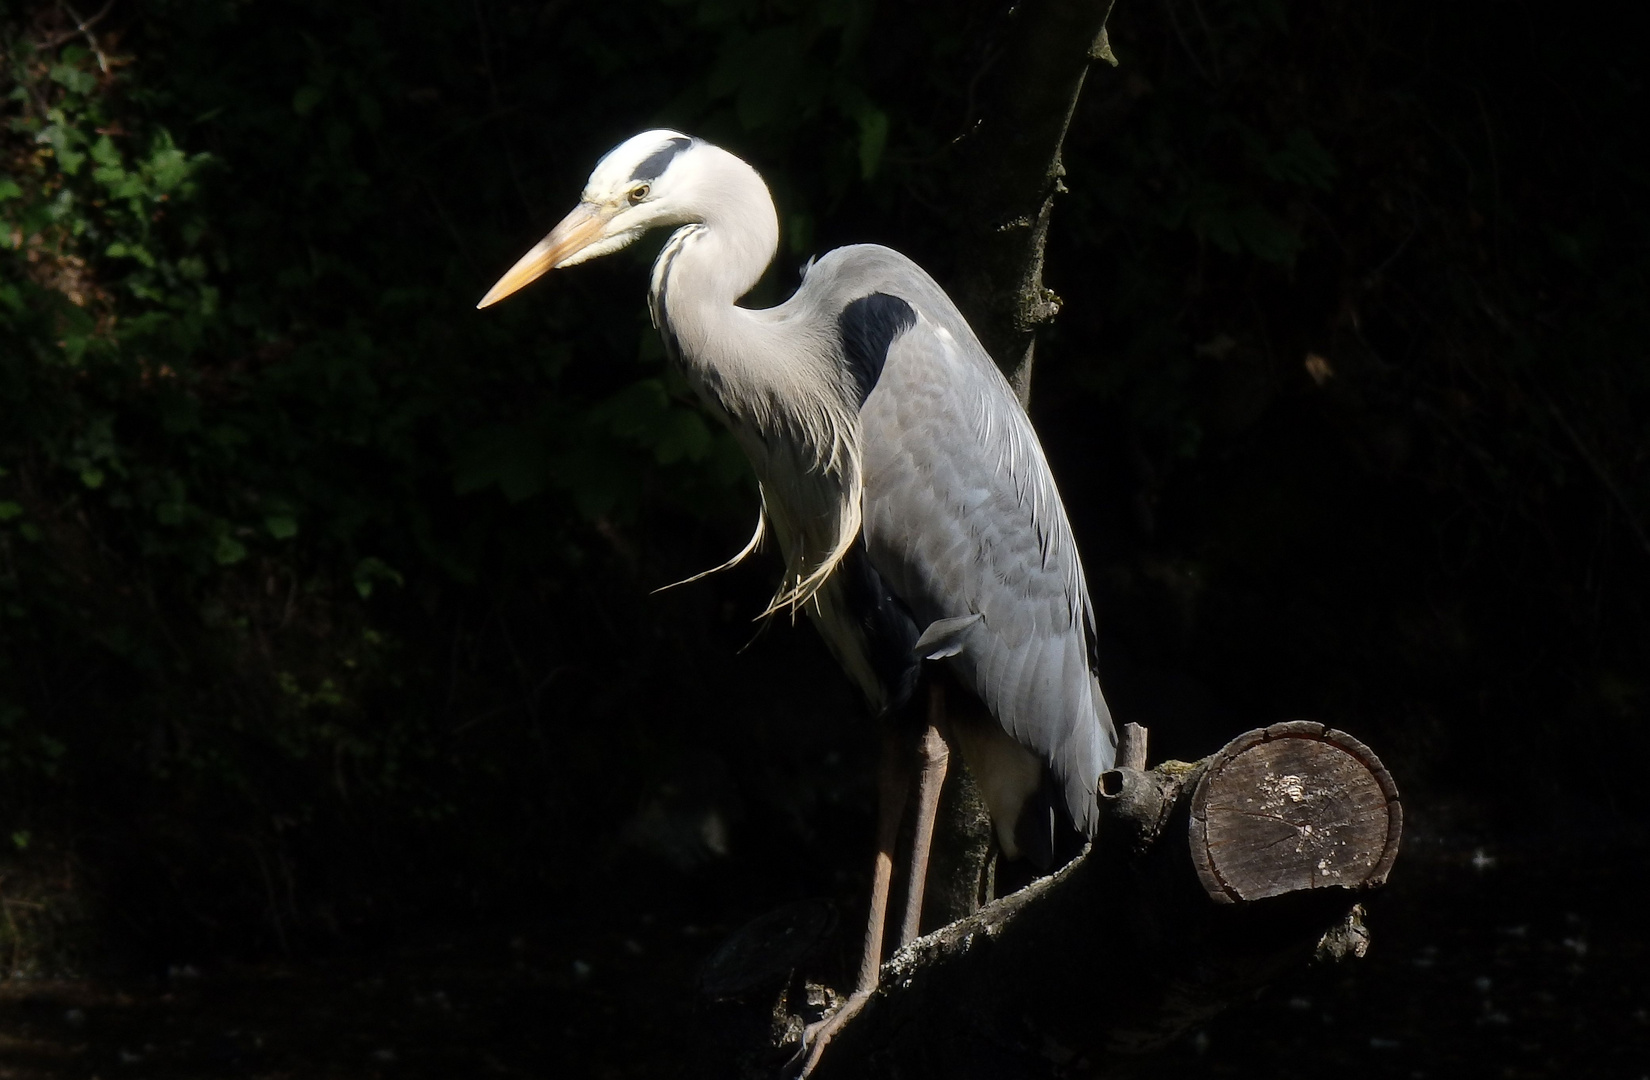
(635, 411)
(281, 526)
(800, 230)
(92, 477)
(62, 140)
(104, 151)
(683, 434)
(9, 510)
(73, 79)
(110, 176)
(371, 570)
(513, 457)
(873, 139)
(9, 189)
(307, 97)
(168, 165)
(119, 249)
(229, 551)
(1303, 161)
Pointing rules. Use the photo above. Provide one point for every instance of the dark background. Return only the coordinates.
(339, 733)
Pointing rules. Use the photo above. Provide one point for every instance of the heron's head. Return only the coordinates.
(643, 183)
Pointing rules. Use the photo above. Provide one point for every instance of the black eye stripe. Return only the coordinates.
(654, 165)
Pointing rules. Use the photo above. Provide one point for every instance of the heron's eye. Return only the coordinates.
(638, 193)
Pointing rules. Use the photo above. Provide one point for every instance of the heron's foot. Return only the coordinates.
(818, 1034)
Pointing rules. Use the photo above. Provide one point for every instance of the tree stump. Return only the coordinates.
(1293, 807)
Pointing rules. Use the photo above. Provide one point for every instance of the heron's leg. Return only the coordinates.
(892, 782)
(934, 754)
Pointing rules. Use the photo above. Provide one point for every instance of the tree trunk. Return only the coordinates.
(1007, 171)
(1005, 174)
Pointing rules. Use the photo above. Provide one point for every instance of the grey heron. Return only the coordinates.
(915, 513)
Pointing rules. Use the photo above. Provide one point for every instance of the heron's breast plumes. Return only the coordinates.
(779, 387)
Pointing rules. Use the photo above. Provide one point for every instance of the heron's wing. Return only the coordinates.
(962, 519)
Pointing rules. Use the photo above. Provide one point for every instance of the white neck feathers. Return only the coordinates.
(775, 376)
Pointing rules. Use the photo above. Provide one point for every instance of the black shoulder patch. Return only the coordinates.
(868, 326)
(654, 165)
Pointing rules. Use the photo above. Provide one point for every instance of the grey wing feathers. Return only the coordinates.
(962, 518)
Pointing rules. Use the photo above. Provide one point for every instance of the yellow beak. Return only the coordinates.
(576, 232)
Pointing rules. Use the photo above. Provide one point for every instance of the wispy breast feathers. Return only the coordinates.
(867, 327)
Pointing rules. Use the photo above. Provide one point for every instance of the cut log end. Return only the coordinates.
(1292, 807)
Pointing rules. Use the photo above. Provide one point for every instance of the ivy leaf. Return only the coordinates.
(104, 152)
(62, 139)
(168, 165)
(75, 80)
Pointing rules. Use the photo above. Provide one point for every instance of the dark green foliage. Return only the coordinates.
(263, 461)
(323, 595)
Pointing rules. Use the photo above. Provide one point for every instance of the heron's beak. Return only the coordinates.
(576, 232)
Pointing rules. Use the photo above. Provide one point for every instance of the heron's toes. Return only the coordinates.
(818, 1034)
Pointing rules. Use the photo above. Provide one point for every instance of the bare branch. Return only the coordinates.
(1209, 880)
(83, 26)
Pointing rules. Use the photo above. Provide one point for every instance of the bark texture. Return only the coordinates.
(1008, 171)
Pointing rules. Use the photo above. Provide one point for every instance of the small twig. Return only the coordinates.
(1131, 747)
(528, 700)
(1185, 43)
(969, 120)
(1209, 37)
(269, 892)
(1603, 475)
(447, 223)
(492, 94)
(84, 26)
(11, 924)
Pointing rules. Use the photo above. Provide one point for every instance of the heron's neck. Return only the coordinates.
(703, 270)
(771, 374)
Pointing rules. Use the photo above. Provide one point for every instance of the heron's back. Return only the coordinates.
(963, 525)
